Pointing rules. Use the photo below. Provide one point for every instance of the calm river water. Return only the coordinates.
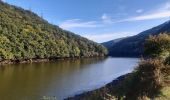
(60, 79)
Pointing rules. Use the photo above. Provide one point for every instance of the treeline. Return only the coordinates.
(25, 35)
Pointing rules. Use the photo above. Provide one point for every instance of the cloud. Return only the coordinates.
(156, 15)
(161, 12)
(106, 19)
(107, 36)
(166, 6)
(77, 23)
(139, 11)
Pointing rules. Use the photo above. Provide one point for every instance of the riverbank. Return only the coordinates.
(6, 62)
(118, 88)
(104, 92)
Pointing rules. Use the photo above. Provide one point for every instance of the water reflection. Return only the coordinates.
(61, 78)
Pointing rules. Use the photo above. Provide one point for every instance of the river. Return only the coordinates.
(60, 79)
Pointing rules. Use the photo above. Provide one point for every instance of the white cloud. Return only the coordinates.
(107, 36)
(166, 6)
(161, 12)
(139, 10)
(77, 23)
(157, 15)
(106, 19)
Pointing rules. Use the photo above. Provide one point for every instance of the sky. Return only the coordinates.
(100, 20)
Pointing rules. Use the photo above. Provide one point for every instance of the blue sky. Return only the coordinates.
(100, 20)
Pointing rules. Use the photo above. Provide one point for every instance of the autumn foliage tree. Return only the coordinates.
(158, 46)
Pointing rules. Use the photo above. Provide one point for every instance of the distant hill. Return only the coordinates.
(133, 46)
(25, 35)
(111, 43)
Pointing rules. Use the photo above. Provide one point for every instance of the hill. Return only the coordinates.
(111, 43)
(133, 46)
(24, 35)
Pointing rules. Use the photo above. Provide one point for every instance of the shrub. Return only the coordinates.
(158, 46)
(150, 77)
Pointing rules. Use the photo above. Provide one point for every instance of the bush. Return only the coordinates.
(158, 46)
(151, 77)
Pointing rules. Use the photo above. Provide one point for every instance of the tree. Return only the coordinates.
(158, 46)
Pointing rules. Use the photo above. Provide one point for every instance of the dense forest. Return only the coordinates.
(25, 35)
(134, 46)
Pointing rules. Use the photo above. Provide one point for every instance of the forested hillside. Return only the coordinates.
(25, 35)
(109, 44)
(134, 45)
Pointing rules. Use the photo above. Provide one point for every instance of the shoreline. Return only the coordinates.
(102, 92)
(9, 62)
